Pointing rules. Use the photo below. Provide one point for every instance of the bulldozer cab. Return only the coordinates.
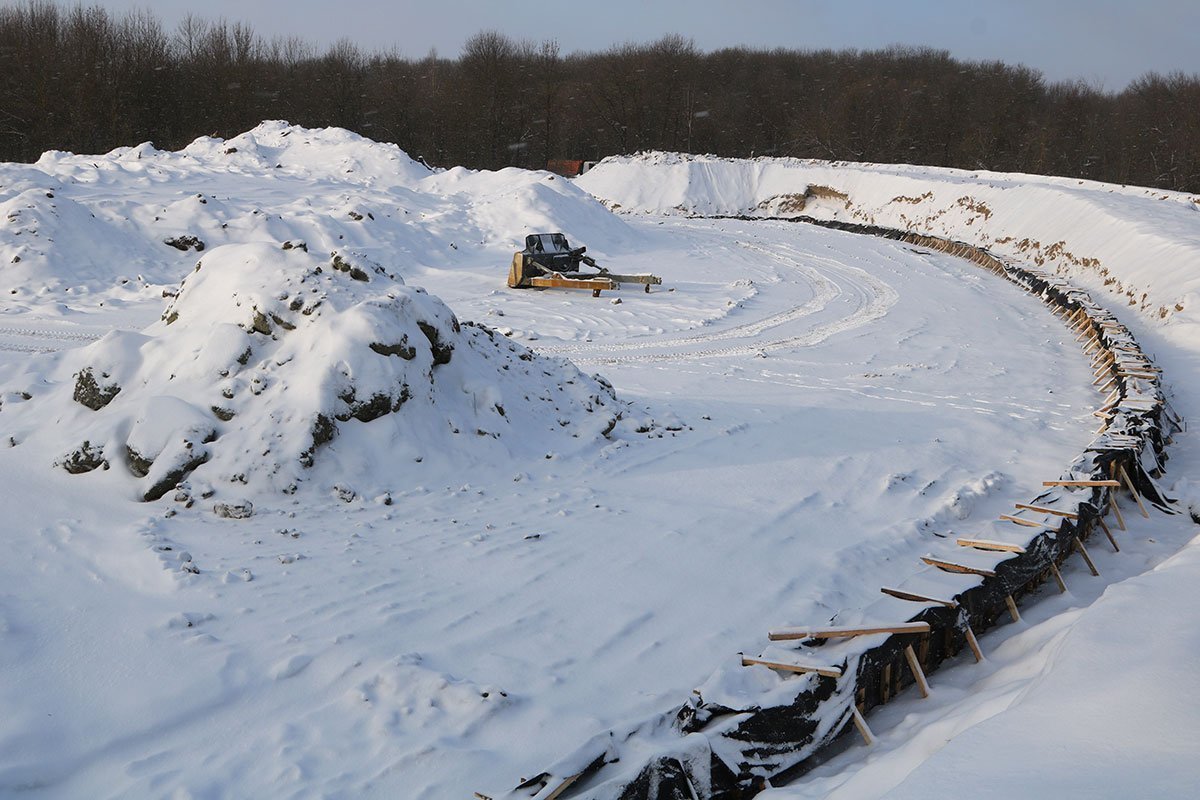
(551, 251)
(547, 243)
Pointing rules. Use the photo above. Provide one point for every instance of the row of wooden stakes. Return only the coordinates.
(1109, 367)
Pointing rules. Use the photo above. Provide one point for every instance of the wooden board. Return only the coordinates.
(1028, 523)
(831, 672)
(1044, 510)
(1110, 484)
(990, 544)
(786, 634)
(950, 566)
(571, 283)
(918, 598)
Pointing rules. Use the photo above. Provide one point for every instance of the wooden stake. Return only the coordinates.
(1129, 485)
(861, 724)
(1012, 608)
(973, 643)
(1044, 510)
(917, 672)
(918, 598)
(829, 672)
(989, 544)
(1112, 502)
(950, 566)
(1111, 484)
(1108, 533)
(1083, 552)
(1058, 578)
(784, 634)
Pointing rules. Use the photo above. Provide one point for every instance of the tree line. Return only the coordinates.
(86, 80)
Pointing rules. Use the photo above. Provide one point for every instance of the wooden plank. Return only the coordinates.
(1026, 522)
(830, 672)
(562, 787)
(861, 724)
(990, 544)
(786, 634)
(1111, 484)
(950, 566)
(1129, 485)
(571, 283)
(1012, 608)
(1086, 557)
(1044, 510)
(918, 598)
(917, 672)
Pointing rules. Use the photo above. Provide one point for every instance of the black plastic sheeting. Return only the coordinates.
(704, 751)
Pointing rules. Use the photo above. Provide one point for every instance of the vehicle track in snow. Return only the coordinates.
(25, 339)
(852, 296)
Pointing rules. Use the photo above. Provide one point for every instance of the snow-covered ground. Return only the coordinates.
(439, 597)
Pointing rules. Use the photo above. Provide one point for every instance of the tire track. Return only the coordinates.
(833, 283)
(42, 340)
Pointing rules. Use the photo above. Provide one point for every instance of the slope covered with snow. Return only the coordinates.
(477, 570)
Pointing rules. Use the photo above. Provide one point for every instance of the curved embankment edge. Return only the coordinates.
(709, 751)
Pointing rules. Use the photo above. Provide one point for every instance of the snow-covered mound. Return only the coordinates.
(321, 153)
(1141, 244)
(273, 360)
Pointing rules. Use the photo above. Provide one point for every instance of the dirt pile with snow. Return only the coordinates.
(272, 360)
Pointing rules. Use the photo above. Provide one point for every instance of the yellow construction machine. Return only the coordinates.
(549, 262)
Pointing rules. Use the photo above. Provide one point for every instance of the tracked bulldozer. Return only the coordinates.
(549, 262)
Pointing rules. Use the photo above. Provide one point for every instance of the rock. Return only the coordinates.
(184, 243)
(89, 392)
(84, 458)
(442, 351)
(239, 510)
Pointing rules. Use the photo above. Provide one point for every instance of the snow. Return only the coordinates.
(415, 608)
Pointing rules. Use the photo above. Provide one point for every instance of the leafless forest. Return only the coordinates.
(86, 80)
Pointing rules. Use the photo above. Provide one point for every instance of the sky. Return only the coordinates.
(1103, 42)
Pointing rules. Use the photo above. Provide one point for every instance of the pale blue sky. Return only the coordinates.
(1103, 42)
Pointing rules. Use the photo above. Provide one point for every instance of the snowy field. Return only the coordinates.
(489, 556)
